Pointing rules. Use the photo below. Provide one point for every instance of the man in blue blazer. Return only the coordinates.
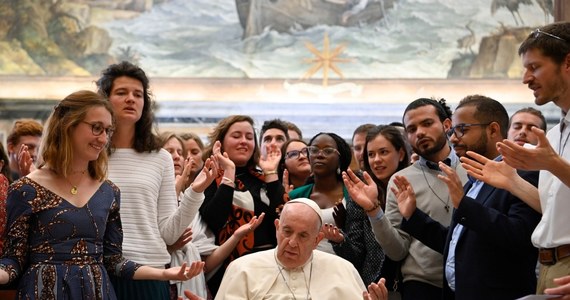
(487, 249)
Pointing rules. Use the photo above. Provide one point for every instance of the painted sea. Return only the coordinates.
(203, 38)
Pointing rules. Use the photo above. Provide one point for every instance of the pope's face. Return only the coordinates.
(298, 234)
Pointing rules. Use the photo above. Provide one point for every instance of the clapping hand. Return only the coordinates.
(222, 159)
(519, 157)
(205, 177)
(288, 187)
(25, 161)
(364, 194)
(496, 173)
(339, 214)
(185, 179)
(270, 161)
(405, 196)
(454, 184)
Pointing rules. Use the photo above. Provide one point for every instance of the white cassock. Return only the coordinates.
(260, 276)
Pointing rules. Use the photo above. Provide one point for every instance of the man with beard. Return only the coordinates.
(546, 59)
(487, 248)
(426, 122)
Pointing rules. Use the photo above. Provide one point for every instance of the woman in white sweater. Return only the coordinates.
(144, 173)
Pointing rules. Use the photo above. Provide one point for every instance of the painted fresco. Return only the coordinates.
(257, 39)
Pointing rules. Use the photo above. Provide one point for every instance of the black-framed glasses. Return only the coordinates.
(98, 128)
(535, 33)
(327, 151)
(294, 154)
(459, 130)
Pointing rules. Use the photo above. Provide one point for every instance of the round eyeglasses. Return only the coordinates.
(97, 129)
(295, 154)
(459, 130)
(327, 151)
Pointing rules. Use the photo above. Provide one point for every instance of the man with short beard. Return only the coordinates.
(487, 248)
(426, 122)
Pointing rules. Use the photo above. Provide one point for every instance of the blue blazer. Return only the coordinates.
(494, 256)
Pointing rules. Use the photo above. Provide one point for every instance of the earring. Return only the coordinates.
(338, 171)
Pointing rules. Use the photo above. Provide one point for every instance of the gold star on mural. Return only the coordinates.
(325, 60)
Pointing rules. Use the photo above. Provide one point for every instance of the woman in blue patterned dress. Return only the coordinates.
(64, 230)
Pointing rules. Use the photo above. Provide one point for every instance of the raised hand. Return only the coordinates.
(332, 233)
(184, 239)
(405, 196)
(222, 159)
(288, 187)
(364, 194)
(495, 173)
(339, 214)
(25, 161)
(454, 184)
(541, 157)
(270, 162)
(245, 229)
(183, 180)
(205, 177)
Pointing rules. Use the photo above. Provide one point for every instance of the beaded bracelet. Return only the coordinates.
(373, 207)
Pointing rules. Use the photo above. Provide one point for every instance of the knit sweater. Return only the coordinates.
(149, 213)
(421, 263)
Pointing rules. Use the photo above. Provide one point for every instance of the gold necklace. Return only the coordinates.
(73, 190)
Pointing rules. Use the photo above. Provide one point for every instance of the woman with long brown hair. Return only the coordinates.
(241, 191)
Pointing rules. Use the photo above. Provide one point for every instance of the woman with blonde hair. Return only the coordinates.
(65, 232)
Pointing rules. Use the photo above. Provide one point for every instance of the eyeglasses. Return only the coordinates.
(97, 129)
(459, 130)
(294, 154)
(327, 151)
(535, 33)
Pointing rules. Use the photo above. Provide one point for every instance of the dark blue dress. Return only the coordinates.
(59, 251)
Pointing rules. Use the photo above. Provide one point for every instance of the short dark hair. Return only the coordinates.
(145, 140)
(443, 111)
(531, 111)
(362, 129)
(549, 46)
(488, 110)
(273, 124)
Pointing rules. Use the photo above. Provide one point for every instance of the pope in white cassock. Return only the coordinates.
(295, 270)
